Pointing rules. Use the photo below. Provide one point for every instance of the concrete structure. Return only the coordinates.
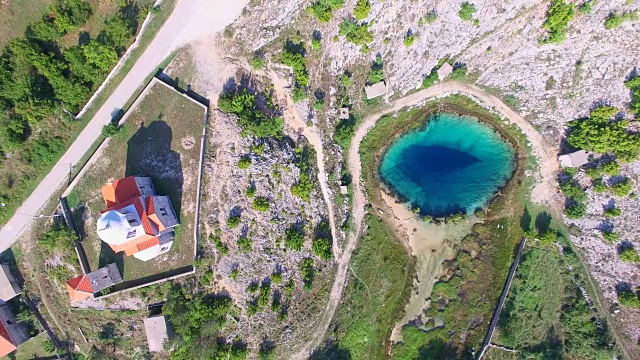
(445, 70)
(376, 90)
(344, 190)
(344, 114)
(574, 159)
(9, 287)
(83, 286)
(136, 220)
(158, 330)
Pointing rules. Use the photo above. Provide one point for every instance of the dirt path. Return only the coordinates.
(543, 192)
(292, 119)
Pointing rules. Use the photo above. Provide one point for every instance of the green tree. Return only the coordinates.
(614, 20)
(362, 10)
(358, 34)
(244, 244)
(244, 162)
(466, 11)
(233, 221)
(307, 273)
(629, 298)
(322, 248)
(261, 204)
(110, 129)
(622, 188)
(323, 9)
(559, 15)
(409, 39)
(629, 254)
(294, 238)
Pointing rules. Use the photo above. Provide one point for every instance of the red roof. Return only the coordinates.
(79, 288)
(148, 243)
(120, 191)
(6, 341)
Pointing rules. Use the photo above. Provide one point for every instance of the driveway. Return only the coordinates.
(186, 23)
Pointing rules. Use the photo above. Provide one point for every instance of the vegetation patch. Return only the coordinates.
(559, 15)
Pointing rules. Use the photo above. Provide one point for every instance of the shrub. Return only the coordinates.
(233, 221)
(288, 288)
(344, 132)
(622, 188)
(629, 298)
(430, 18)
(306, 273)
(263, 296)
(293, 55)
(430, 79)
(548, 237)
(110, 129)
(355, 33)
(377, 73)
(244, 162)
(362, 9)
(559, 15)
(244, 244)
(261, 204)
(612, 212)
(409, 39)
(322, 248)
(276, 278)
(294, 238)
(220, 246)
(323, 9)
(599, 186)
(257, 62)
(58, 237)
(234, 274)
(251, 191)
(634, 85)
(572, 190)
(459, 72)
(586, 7)
(610, 235)
(466, 11)
(575, 210)
(613, 20)
(629, 254)
(611, 168)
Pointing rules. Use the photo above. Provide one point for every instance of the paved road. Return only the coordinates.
(184, 24)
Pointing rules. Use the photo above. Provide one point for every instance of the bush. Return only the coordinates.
(586, 7)
(233, 221)
(377, 71)
(599, 186)
(257, 62)
(430, 18)
(307, 273)
(575, 210)
(459, 72)
(622, 188)
(244, 162)
(220, 246)
(323, 9)
(355, 33)
(559, 15)
(572, 190)
(322, 248)
(276, 278)
(629, 254)
(58, 237)
(466, 11)
(629, 298)
(430, 80)
(409, 39)
(610, 235)
(261, 204)
(361, 10)
(251, 191)
(244, 244)
(259, 123)
(634, 85)
(110, 129)
(344, 132)
(294, 238)
(612, 212)
(548, 237)
(263, 296)
(613, 20)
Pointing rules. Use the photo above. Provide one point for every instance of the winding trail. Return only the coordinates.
(543, 192)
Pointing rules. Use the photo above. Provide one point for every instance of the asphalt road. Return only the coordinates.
(186, 23)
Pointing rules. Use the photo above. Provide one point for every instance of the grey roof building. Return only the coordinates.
(445, 70)
(376, 90)
(158, 330)
(9, 287)
(344, 113)
(574, 159)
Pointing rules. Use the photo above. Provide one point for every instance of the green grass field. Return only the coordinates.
(161, 140)
(16, 15)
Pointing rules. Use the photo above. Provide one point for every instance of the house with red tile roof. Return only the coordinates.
(136, 221)
(7, 345)
(84, 286)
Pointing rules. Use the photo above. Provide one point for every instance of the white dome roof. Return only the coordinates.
(114, 226)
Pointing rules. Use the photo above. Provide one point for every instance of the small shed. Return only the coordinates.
(574, 159)
(344, 113)
(158, 330)
(9, 287)
(376, 90)
(344, 190)
(445, 70)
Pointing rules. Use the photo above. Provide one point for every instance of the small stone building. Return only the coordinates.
(376, 90)
(158, 330)
(444, 71)
(574, 159)
(344, 114)
(9, 287)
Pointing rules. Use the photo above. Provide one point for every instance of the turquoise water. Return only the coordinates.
(453, 164)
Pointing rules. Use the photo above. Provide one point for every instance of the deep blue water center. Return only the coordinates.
(455, 163)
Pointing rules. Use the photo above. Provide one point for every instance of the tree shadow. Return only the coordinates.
(149, 154)
(543, 222)
(83, 38)
(625, 245)
(330, 351)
